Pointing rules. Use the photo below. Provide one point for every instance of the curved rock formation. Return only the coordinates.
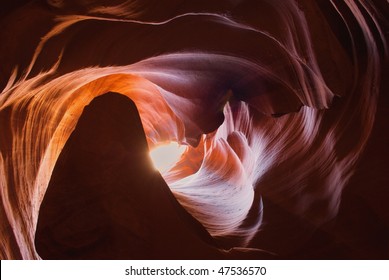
(276, 101)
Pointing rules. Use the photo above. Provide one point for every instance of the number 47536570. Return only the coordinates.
(238, 270)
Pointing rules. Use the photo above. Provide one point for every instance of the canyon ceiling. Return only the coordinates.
(280, 107)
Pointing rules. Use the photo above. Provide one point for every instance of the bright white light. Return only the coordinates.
(164, 157)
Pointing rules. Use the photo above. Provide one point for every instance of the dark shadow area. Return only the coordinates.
(105, 200)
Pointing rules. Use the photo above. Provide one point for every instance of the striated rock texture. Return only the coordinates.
(282, 105)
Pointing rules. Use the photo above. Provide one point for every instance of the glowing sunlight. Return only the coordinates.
(165, 156)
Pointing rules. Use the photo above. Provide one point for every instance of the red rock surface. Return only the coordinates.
(282, 105)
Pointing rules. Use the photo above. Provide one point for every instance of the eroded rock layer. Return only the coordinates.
(280, 103)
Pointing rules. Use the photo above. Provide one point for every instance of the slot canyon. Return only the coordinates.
(177, 129)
